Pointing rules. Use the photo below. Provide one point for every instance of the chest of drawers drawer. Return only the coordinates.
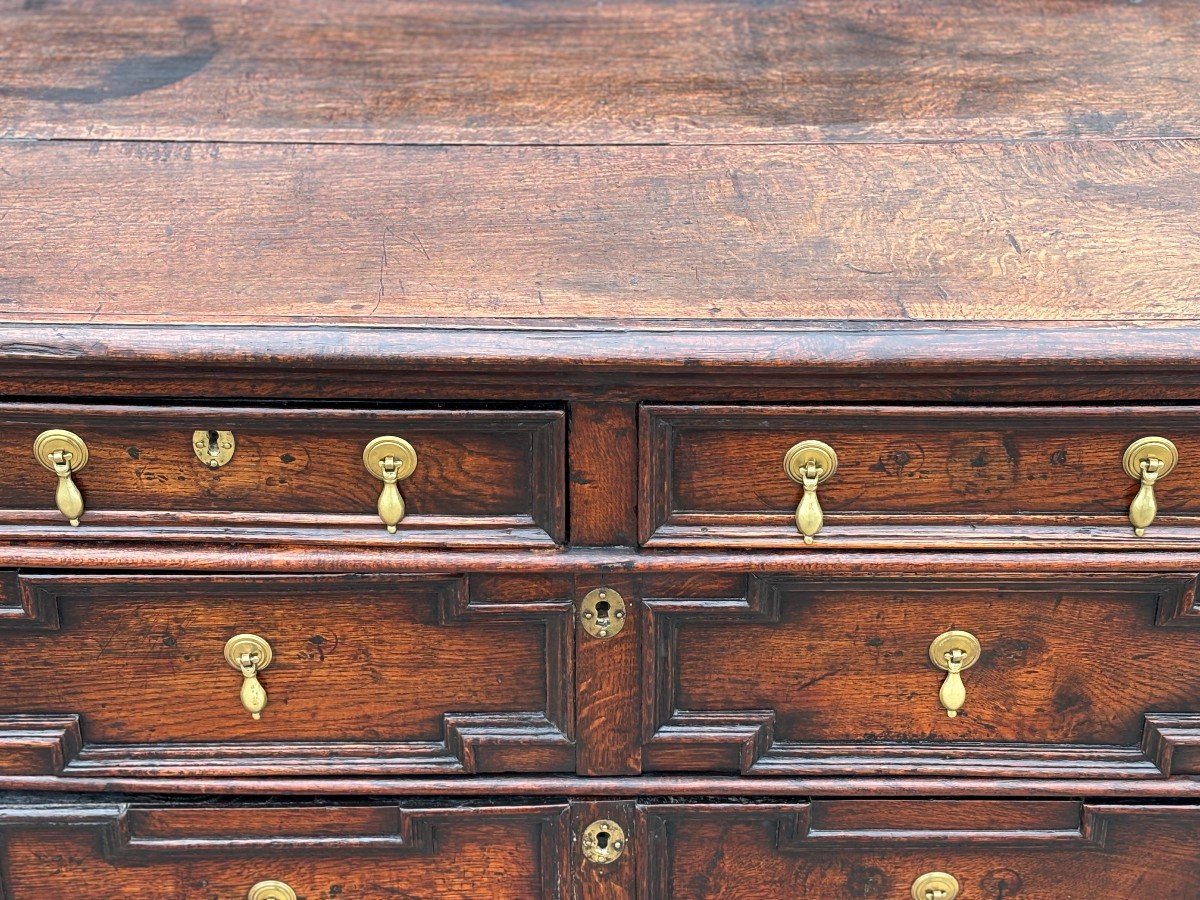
(275, 851)
(381, 675)
(1043, 676)
(894, 850)
(471, 477)
(1040, 477)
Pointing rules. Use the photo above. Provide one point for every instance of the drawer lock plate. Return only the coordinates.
(603, 841)
(602, 613)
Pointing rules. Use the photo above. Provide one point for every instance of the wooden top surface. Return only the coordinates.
(582, 71)
(371, 163)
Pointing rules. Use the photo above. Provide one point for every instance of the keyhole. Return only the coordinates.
(602, 840)
(602, 608)
(214, 447)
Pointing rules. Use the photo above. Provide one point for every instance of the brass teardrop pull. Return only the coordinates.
(271, 890)
(935, 886)
(953, 652)
(1147, 460)
(809, 463)
(64, 453)
(250, 654)
(390, 459)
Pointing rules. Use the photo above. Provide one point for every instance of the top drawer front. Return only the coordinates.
(1035, 477)
(481, 476)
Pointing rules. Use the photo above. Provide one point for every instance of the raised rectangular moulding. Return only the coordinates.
(893, 849)
(278, 851)
(1046, 676)
(139, 676)
(951, 477)
(486, 478)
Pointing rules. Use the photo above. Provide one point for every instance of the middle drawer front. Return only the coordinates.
(1055, 676)
(366, 675)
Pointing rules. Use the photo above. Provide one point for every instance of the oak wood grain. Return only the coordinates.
(190, 233)
(579, 72)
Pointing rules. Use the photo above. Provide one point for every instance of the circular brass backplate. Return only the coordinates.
(955, 640)
(796, 460)
(602, 613)
(603, 841)
(935, 886)
(1145, 448)
(271, 890)
(248, 643)
(382, 447)
(50, 442)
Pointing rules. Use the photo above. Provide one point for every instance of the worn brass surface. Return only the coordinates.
(213, 448)
(935, 886)
(271, 890)
(809, 463)
(63, 453)
(953, 652)
(390, 459)
(1147, 460)
(602, 613)
(250, 654)
(603, 841)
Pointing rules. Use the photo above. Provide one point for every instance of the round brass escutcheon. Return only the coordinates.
(1149, 448)
(271, 890)
(257, 648)
(935, 886)
(398, 448)
(948, 641)
(46, 444)
(796, 460)
(602, 613)
(603, 841)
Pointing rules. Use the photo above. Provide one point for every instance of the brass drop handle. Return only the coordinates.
(935, 886)
(250, 654)
(809, 463)
(1146, 461)
(390, 459)
(953, 652)
(64, 453)
(271, 890)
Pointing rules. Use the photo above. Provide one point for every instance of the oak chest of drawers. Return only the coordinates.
(640, 449)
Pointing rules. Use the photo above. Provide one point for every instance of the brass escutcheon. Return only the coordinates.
(953, 652)
(602, 613)
(390, 459)
(1147, 460)
(810, 463)
(603, 841)
(250, 654)
(213, 448)
(271, 890)
(935, 886)
(64, 453)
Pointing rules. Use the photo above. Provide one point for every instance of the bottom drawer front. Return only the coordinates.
(361, 852)
(1063, 850)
